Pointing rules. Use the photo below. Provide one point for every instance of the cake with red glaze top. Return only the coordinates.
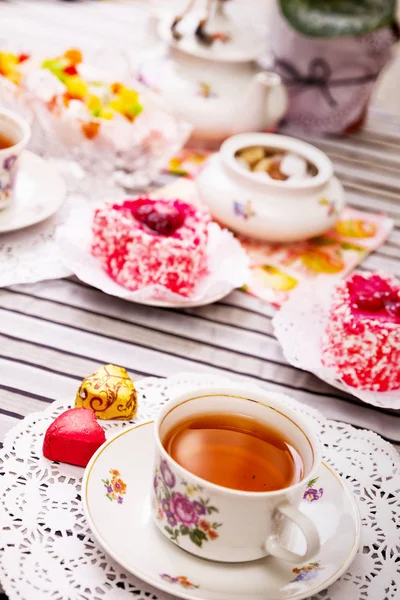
(362, 338)
(145, 242)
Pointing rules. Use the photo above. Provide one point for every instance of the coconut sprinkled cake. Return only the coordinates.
(362, 339)
(145, 242)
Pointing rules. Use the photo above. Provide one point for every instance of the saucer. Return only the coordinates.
(39, 193)
(121, 523)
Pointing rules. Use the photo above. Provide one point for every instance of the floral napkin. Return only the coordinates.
(277, 269)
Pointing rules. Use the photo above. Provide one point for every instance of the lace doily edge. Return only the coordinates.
(214, 381)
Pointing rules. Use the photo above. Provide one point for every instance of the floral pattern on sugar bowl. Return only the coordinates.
(182, 509)
(243, 209)
(283, 208)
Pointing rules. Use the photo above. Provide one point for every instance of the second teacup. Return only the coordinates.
(219, 515)
(14, 136)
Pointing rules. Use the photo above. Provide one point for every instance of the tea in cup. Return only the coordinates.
(231, 468)
(14, 136)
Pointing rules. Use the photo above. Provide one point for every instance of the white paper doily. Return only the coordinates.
(228, 264)
(299, 327)
(47, 551)
(31, 254)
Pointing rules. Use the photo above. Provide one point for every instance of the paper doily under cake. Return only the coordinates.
(47, 550)
(299, 327)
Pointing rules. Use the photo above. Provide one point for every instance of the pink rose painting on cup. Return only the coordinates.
(183, 512)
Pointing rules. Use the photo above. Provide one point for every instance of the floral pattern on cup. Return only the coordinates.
(9, 162)
(181, 580)
(115, 487)
(8, 171)
(307, 573)
(312, 493)
(183, 511)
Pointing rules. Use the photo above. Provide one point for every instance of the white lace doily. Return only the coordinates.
(47, 551)
(299, 326)
(31, 254)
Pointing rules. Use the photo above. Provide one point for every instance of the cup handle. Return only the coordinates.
(274, 547)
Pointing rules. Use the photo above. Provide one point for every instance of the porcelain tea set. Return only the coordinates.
(213, 82)
(222, 91)
(199, 540)
(268, 209)
(218, 88)
(30, 189)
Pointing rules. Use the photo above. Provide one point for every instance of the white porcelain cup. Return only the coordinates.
(220, 523)
(17, 130)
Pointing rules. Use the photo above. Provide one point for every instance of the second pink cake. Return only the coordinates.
(362, 338)
(145, 242)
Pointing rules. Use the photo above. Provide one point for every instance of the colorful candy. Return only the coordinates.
(73, 437)
(102, 100)
(109, 393)
(10, 66)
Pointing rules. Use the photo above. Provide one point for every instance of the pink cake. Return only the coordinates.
(362, 338)
(144, 242)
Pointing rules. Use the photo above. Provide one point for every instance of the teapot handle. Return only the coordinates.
(277, 100)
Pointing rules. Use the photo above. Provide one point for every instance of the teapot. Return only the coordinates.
(220, 90)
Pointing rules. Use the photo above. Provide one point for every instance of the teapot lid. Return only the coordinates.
(234, 43)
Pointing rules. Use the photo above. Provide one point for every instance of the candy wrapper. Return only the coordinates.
(109, 393)
(227, 262)
(73, 437)
(299, 327)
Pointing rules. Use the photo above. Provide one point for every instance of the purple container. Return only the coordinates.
(329, 81)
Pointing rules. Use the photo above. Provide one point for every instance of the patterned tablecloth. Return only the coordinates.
(52, 334)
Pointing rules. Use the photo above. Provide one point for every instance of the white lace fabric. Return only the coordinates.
(47, 550)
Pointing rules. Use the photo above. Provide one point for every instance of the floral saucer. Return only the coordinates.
(39, 193)
(116, 500)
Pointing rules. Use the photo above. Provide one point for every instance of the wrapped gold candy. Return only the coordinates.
(109, 393)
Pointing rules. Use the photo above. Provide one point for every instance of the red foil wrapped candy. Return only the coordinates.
(73, 437)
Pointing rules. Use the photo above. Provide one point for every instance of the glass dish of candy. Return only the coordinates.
(89, 108)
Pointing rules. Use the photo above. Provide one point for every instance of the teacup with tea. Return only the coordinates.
(14, 136)
(231, 468)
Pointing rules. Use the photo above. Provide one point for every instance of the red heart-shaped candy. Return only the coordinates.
(73, 437)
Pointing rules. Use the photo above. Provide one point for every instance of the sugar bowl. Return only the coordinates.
(271, 187)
